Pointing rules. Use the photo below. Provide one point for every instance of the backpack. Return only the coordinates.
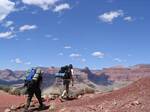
(63, 69)
(67, 74)
(64, 73)
(30, 75)
(28, 81)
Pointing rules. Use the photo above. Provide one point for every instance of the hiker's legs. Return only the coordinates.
(63, 94)
(30, 95)
(38, 96)
(67, 89)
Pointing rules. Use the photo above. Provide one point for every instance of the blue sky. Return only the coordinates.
(93, 33)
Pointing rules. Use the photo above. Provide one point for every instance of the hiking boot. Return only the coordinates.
(62, 99)
(67, 97)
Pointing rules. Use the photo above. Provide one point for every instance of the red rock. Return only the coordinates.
(123, 98)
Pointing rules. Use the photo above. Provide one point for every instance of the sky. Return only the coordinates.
(92, 33)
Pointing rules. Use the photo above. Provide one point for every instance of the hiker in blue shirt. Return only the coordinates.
(33, 82)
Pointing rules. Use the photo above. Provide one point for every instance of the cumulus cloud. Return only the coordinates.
(128, 18)
(17, 60)
(27, 27)
(98, 54)
(108, 17)
(75, 55)
(20, 61)
(119, 60)
(44, 4)
(12, 28)
(27, 63)
(67, 47)
(61, 7)
(6, 35)
(6, 7)
(8, 23)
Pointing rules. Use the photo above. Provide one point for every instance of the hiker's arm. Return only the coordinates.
(72, 73)
(25, 81)
(72, 81)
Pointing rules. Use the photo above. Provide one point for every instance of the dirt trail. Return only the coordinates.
(134, 98)
(7, 100)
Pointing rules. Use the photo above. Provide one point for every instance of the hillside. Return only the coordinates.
(133, 98)
(8, 100)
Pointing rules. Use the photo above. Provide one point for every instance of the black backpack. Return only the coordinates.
(67, 72)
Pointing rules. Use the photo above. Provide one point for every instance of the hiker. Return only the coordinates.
(33, 82)
(66, 79)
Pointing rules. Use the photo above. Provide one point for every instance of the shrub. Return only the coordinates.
(18, 90)
(13, 90)
(5, 88)
(88, 90)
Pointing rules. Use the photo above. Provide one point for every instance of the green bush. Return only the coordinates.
(88, 90)
(5, 88)
(13, 90)
(18, 90)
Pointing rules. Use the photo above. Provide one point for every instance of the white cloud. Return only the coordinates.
(128, 18)
(12, 28)
(27, 27)
(119, 60)
(75, 55)
(98, 54)
(6, 7)
(67, 47)
(6, 35)
(108, 17)
(27, 63)
(44, 4)
(22, 8)
(8, 23)
(62, 7)
(18, 61)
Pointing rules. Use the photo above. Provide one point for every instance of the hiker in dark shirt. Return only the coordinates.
(67, 79)
(33, 87)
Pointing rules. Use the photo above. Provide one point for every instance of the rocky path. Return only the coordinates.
(7, 100)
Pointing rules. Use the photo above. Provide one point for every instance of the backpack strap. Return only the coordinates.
(37, 74)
